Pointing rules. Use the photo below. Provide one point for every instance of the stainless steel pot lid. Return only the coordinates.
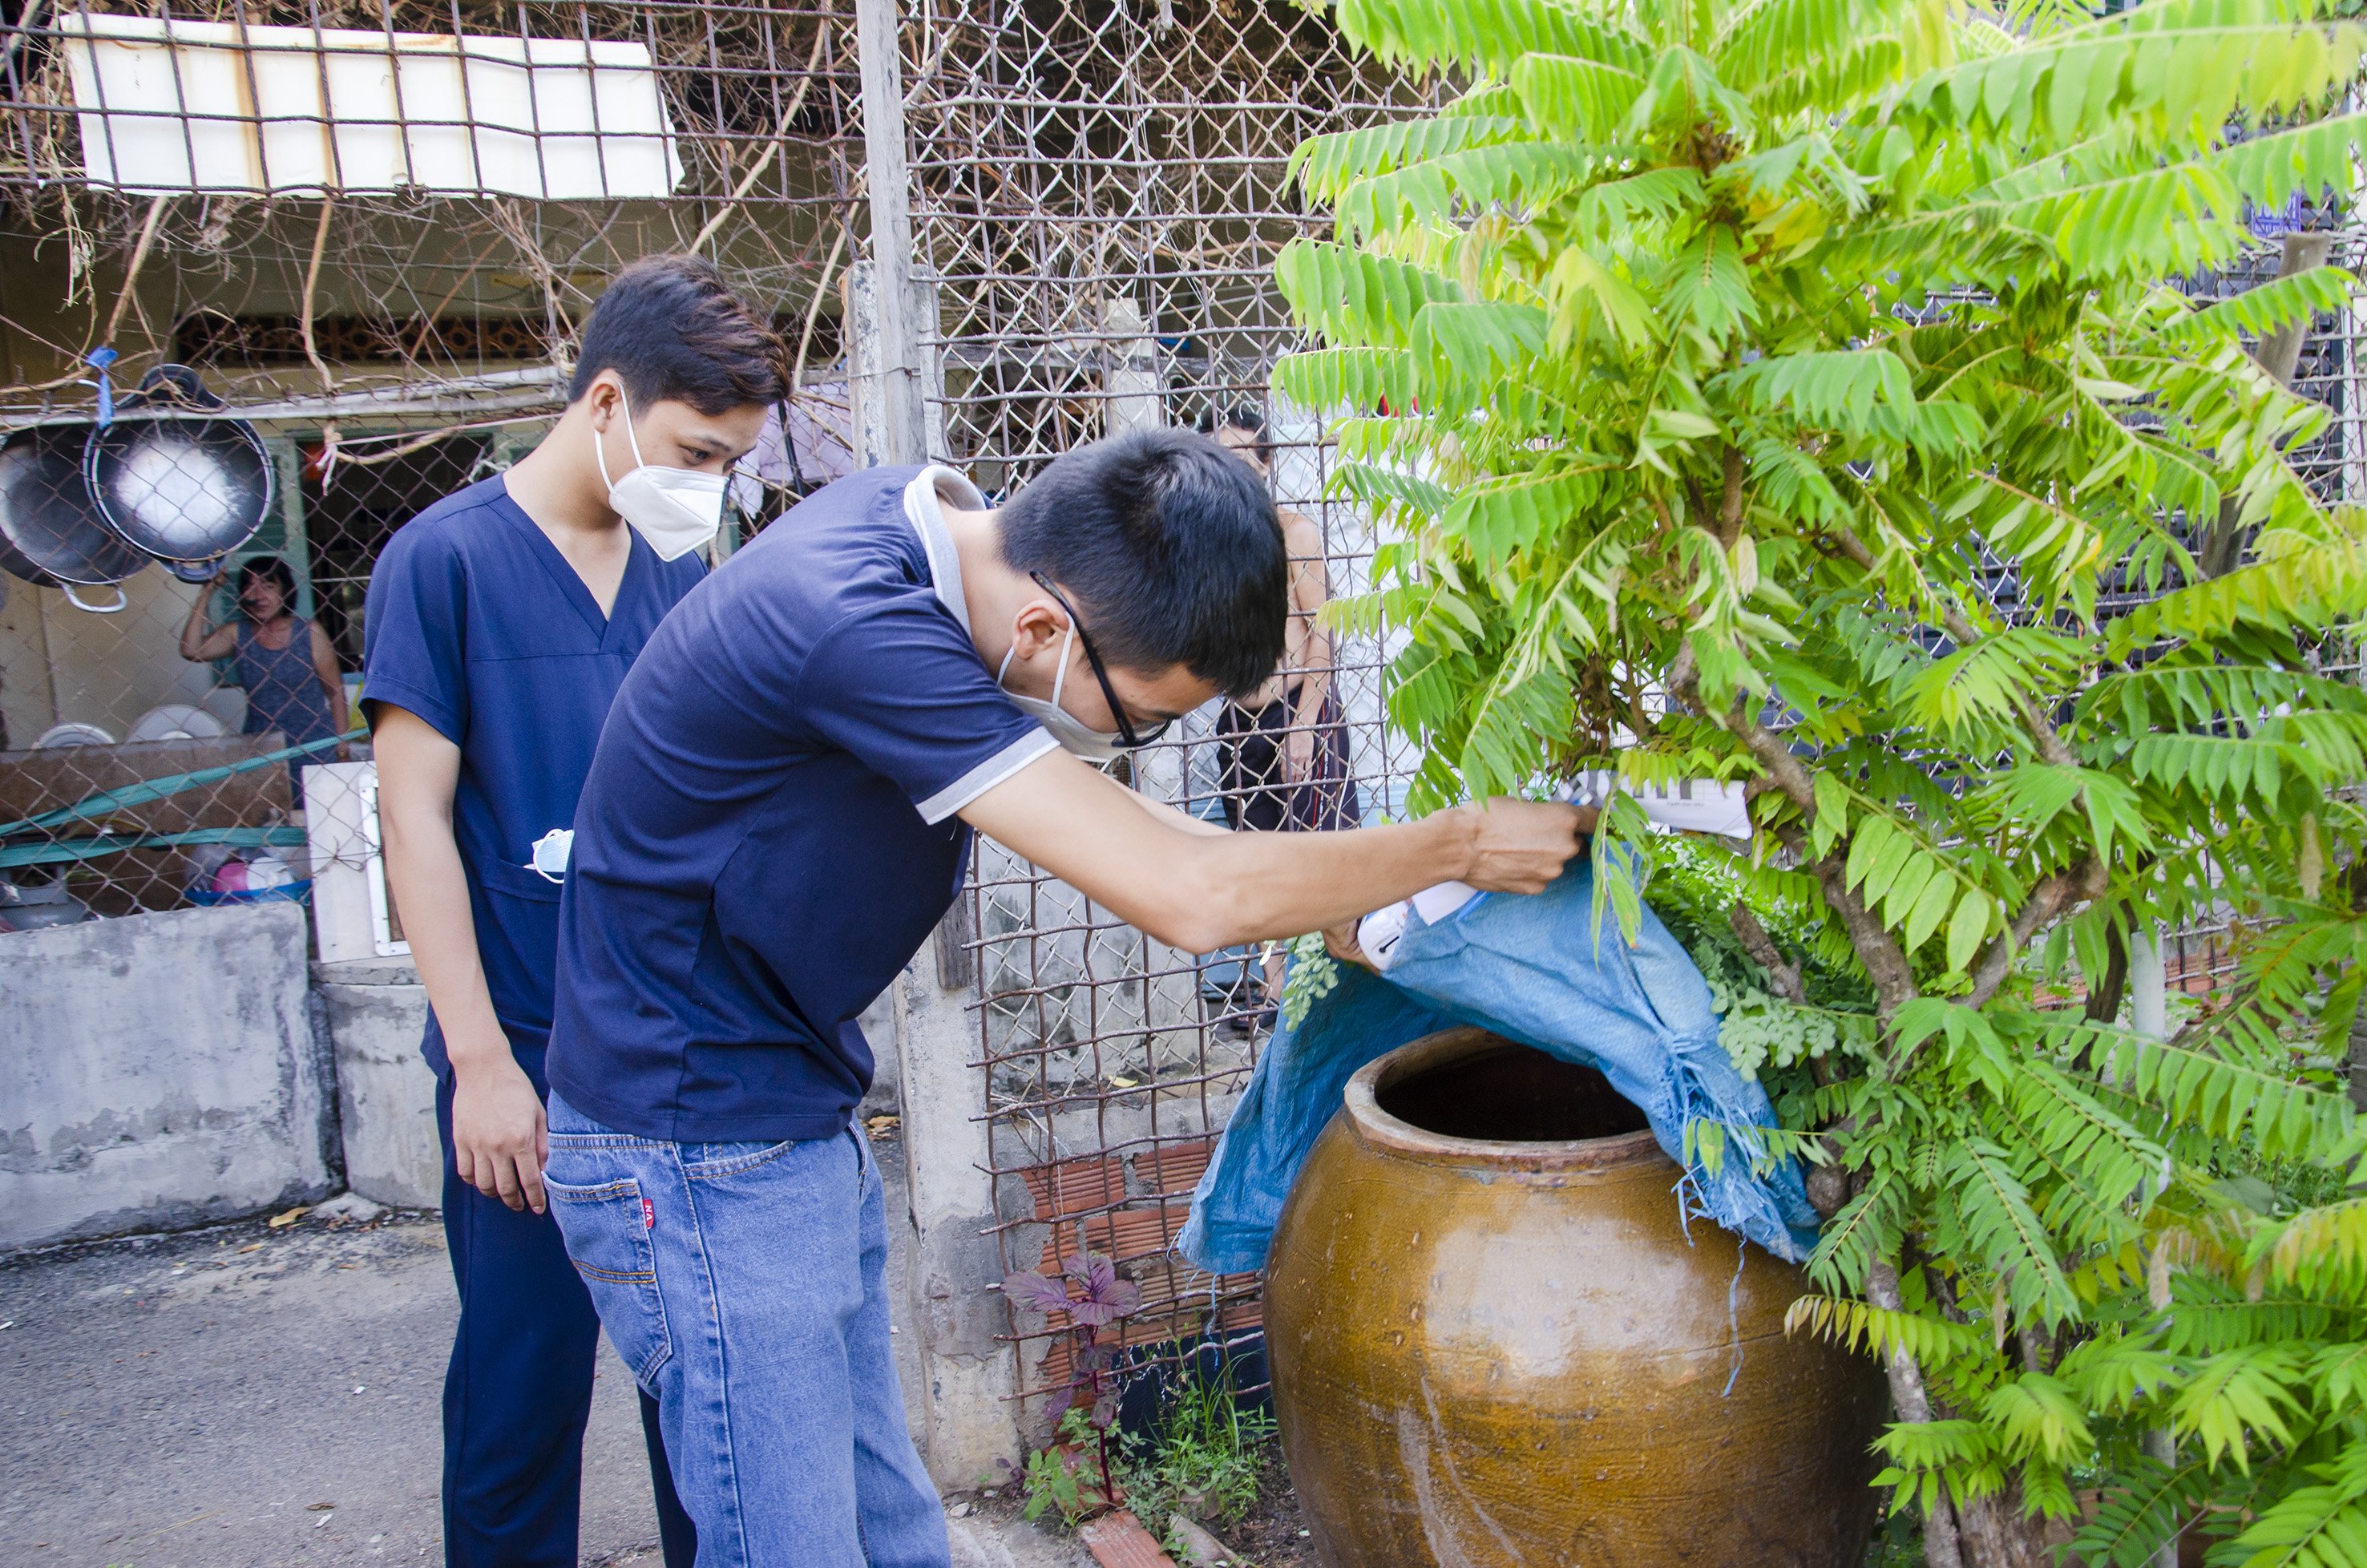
(46, 511)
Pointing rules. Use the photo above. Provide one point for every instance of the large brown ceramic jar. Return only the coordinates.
(1492, 1342)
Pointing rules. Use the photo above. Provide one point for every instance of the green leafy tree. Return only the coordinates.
(1780, 390)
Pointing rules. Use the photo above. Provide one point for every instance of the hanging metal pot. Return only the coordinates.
(186, 490)
(14, 563)
(47, 517)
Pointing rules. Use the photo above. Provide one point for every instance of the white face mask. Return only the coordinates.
(676, 509)
(551, 853)
(1066, 727)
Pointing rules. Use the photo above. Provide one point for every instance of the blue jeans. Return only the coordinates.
(745, 1285)
(518, 1390)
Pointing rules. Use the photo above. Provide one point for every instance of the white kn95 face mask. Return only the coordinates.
(676, 509)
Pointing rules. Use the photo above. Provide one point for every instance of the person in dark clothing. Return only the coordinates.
(1283, 751)
(1284, 747)
(781, 810)
(500, 624)
(287, 667)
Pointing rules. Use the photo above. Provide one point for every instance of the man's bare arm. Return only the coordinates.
(499, 1137)
(1201, 892)
(1177, 818)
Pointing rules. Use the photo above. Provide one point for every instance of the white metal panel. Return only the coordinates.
(176, 106)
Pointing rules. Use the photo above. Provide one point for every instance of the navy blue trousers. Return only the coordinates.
(519, 1388)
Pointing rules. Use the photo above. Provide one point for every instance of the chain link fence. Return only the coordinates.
(1098, 195)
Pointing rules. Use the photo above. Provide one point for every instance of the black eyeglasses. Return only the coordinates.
(1128, 735)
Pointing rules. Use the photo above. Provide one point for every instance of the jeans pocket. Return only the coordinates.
(736, 1159)
(607, 1231)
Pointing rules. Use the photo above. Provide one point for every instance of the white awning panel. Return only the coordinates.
(184, 106)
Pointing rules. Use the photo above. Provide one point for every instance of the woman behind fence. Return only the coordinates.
(1284, 750)
(287, 667)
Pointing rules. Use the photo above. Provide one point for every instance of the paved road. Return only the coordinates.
(243, 1397)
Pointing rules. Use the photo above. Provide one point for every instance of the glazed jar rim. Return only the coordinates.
(1379, 1128)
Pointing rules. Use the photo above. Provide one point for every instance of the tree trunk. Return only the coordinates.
(2359, 1060)
(1942, 1548)
(2104, 1000)
(2221, 550)
(1998, 1535)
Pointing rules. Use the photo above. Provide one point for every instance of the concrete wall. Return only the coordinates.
(158, 1070)
(164, 1070)
(386, 1097)
(376, 1011)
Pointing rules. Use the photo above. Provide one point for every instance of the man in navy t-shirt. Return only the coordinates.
(779, 812)
(500, 623)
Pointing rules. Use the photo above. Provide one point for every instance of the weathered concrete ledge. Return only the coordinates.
(157, 1072)
(376, 1011)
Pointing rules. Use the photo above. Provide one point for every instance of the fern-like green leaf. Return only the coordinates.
(1356, 299)
(1326, 165)
(2317, 291)
(1487, 36)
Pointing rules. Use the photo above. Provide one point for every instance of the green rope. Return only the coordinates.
(73, 849)
(170, 784)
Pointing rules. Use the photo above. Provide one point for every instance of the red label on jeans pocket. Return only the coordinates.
(649, 1216)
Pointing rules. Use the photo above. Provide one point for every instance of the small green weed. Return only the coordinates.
(1898, 1543)
(1206, 1461)
(1065, 1476)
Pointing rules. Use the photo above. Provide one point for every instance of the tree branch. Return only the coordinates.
(1885, 962)
(1851, 546)
(2105, 997)
(1941, 1547)
(1784, 770)
(1730, 510)
(1963, 634)
(1764, 952)
(2279, 354)
(2047, 901)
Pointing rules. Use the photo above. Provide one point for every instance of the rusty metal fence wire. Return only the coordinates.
(1098, 193)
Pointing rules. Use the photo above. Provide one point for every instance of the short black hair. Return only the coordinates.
(1171, 548)
(674, 331)
(1245, 417)
(271, 569)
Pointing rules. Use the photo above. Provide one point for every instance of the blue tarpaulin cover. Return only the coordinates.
(1532, 970)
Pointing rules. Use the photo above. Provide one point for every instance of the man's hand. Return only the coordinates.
(499, 1137)
(1522, 845)
(1341, 942)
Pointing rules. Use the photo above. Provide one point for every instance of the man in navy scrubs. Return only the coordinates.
(500, 623)
(779, 812)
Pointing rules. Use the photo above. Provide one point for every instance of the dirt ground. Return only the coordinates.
(245, 1397)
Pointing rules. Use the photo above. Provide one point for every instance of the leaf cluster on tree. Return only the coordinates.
(1788, 391)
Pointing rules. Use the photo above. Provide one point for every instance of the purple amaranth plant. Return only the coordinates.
(1102, 1298)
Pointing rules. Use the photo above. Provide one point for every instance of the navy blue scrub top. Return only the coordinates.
(477, 624)
(769, 832)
